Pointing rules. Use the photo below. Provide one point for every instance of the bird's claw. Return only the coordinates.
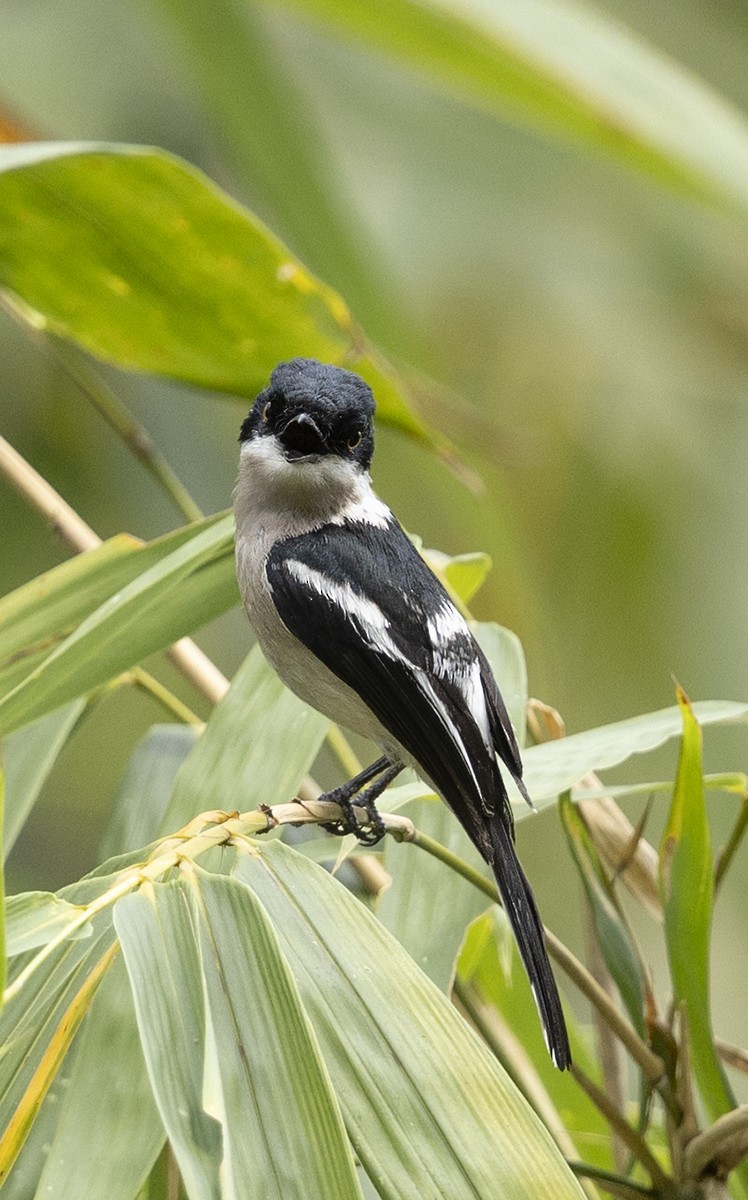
(368, 832)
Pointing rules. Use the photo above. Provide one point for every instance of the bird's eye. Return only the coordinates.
(267, 410)
(355, 440)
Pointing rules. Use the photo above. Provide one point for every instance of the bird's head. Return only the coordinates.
(311, 411)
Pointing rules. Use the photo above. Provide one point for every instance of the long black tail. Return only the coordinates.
(520, 907)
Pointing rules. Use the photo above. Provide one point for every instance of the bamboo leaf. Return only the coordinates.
(490, 963)
(150, 266)
(33, 918)
(184, 588)
(610, 926)
(432, 1113)
(687, 886)
(108, 1131)
(256, 748)
(283, 1135)
(156, 929)
(554, 767)
(140, 806)
(277, 1130)
(462, 574)
(39, 1023)
(49, 1062)
(406, 907)
(565, 70)
(30, 755)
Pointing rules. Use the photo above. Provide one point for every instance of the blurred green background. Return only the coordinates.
(589, 331)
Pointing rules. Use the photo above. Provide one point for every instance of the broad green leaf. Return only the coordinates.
(30, 755)
(47, 1030)
(256, 748)
(108, 1133)
(156, 928)
(149, 265)
(490, 964)
(34, 918)
(427, 1108)
(563, 69)
(276, 1127)
(611, 930)
(728, 781)
(251, 92)
(283, 1136)
(185, 588)
(687, 886)
(41, 613)
(462, 574)
(37, 1026)
(554, 767)
(140, 806)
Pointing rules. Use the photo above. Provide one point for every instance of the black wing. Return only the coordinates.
(363, 601)
(380, 637)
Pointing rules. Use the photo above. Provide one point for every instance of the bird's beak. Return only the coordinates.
(302, 437)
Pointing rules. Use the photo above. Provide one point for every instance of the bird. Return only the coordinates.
(355, 623)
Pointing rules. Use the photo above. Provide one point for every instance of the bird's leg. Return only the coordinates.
(386, 769)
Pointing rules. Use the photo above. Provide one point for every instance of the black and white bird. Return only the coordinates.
(354, 622)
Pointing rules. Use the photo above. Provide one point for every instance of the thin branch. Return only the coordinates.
(727, 853)
(616, 1185)
(203, 833)
(629, 1136)
(343, 751)
(134, 435)
(161, 694)
(734, 1056)
(720, 1148)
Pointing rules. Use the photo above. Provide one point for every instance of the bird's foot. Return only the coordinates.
(369, 832)
(372, 830)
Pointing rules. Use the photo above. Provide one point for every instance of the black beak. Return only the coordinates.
(302, 436)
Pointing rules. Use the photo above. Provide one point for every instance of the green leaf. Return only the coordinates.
(156, 929)
(148, 265)
(34, 918)
(264, 1081)
(556, 766)
(462, 574)
(30, 755)
(687, 886)
(428, 1109)
(142, 801)
(490, 964)
(251, 91)
(610, 926)
(563, 69)
(108, 1131)
(283, 1135)
(256, 748)
(184, 588)
(38, 1026)
(36, 617)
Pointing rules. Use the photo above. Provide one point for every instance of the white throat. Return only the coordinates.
(295, 497)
